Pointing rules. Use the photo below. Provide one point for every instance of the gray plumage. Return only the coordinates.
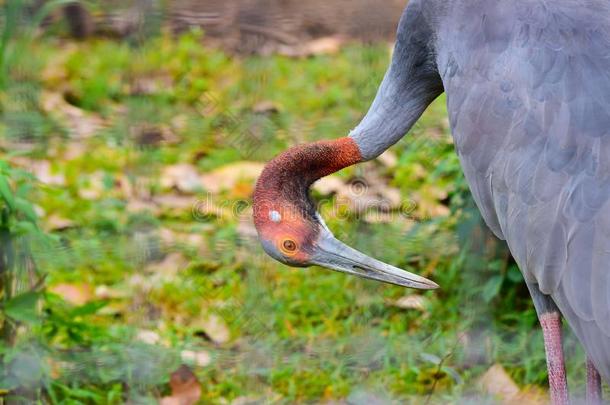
(528, 96)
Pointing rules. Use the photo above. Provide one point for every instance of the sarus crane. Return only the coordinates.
(528, 98)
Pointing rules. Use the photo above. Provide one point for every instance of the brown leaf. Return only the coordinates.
(148, 336)
(175, 201)
(77, 293)
(42, 170)
(319, 46)
(227, 177)
(80, 123)
(498, 383)
(199, 358)
(265, 107)
(412, 301)
(186, 389)
(531, 396)
(329, 185)
(214, 327)
(57, 223)
(183, 177)
(388, 159)
(136, 205)
(169, 266)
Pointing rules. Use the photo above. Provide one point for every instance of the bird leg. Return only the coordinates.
(551, 331)
(594, 385)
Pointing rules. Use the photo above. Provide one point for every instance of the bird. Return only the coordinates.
(527, 86)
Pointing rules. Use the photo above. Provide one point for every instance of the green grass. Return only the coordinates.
(296, 335)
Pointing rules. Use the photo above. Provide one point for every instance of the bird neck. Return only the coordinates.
(285, 181)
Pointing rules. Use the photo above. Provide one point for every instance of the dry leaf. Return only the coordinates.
(186, 389)
(227, 177)
(171, 238)
(411, 302)
(80, 123)
(41, 169)
(531, 396)
(175, 201)
(214, 327)
(148, 336)
(246, 401)
(265, 107)
(388, 159)
(320, 46)
(104, 292)
(77, 293)
(183, 177)
(329, 185)
(136, 205)
(199, 358)
(57, 223)
(498, 383)
(167, 268)
(74, 150)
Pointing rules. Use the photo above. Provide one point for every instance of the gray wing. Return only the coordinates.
(528, 89)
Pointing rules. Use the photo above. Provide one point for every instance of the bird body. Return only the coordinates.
(528, 98)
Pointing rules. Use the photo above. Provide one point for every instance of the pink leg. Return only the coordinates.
(594, 385)
(551, 330)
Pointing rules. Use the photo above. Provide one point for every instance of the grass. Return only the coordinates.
(196, 280)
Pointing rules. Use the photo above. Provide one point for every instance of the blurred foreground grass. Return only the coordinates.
(146, 155)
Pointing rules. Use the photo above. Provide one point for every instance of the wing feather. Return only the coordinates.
(529, 105)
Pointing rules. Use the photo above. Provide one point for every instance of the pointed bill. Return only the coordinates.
(338, 256)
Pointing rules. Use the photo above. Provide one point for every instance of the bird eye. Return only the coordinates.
(289, 246)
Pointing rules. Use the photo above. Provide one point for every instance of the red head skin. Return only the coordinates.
(284, 215)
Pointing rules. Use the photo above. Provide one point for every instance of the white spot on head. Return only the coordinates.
(275, 216)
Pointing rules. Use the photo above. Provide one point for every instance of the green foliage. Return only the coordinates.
(197, 282)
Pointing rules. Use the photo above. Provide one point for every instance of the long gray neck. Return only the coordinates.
(411, 83)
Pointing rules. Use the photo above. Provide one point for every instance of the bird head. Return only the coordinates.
(291, 230)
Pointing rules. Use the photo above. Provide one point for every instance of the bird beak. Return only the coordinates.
(336, 255)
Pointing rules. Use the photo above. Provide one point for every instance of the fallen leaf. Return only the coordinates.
(186, 389)
(42, 170)
(77, 293)
(498, 383)
(530, 396)
(199, 358)
(148, 336)
(226, 177)
(246, 401)
(215, 328)
(74, 150)
(329, 185)
(265, 107)
(57, 223)
(143, 85)
(81, 124)
(136, 205)
(175, 201)
(105, 292)
(167, 268)
(388, 159)
(319, 46)
(412, 301)
(183, 177)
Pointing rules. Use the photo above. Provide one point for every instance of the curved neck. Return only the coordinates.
(286, 179)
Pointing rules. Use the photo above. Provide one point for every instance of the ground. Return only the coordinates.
(145, 156)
